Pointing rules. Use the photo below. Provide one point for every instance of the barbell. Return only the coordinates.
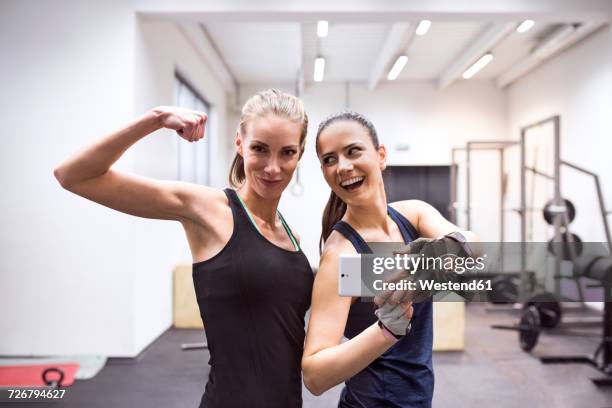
(542, 310)
(548, 308)
(528, 328)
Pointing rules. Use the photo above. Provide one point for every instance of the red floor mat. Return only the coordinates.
(31, 375)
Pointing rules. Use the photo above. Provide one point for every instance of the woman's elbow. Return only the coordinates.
(311, 380)
(60, 176)
(67, 178)
(312, 386)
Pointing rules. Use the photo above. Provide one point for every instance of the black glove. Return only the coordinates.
(439, 257)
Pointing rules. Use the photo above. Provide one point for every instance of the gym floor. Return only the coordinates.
(491, 370)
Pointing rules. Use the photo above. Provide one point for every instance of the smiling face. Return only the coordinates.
(351, 164)
(270, 148)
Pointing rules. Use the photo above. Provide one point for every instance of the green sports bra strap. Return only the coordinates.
(291, 237)
(248, 213)
(295, 243)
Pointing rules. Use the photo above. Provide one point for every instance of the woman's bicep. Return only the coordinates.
(432, 224)
(329, 311)
(141, 196)
(425, 218)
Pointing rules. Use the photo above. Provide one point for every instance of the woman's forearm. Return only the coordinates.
(330, 366)
(97, 158)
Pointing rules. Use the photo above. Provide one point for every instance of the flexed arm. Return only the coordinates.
(327, 361)
(88, 173)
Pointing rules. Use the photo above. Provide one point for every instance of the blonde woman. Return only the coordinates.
(253, 282)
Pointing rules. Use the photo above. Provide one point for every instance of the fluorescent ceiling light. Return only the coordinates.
(397, 67)
(478, 65)
(319, 69)
(322, 28)
(423, 27)
(525, 26)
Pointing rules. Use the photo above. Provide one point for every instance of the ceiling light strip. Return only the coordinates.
(319, 69)
(478, 65)
(423, 27)
(525, 26)
(322, 28)
(399, 65)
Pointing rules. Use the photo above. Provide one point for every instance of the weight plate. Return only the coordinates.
(549, 216)
(548, 307)
(564, 247)
(529, 328)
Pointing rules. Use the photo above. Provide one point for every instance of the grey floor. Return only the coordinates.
(491, 371)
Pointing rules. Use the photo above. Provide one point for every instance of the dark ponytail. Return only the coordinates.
(334, 211)
(335, 208)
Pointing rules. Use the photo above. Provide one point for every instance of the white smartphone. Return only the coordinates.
(349, 276)
(352, 282)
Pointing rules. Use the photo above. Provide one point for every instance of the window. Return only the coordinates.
(193, 158)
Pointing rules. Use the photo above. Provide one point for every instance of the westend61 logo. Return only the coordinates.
(414, 263)
(419, 276)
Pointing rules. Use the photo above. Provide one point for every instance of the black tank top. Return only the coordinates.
(253, 296)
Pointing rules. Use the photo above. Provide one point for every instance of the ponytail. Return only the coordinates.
(236, 175)
(334, 211)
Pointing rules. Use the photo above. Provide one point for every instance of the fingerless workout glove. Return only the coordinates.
(393, 318)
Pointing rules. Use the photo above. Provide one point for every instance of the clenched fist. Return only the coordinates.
(189, 124)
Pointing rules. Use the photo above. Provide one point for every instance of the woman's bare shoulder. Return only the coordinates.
(407, 206)
(335, 245)
(208, 206)
(411, 209)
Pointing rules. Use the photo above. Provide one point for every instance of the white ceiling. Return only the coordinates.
(273, 41)
(431, 54)
(259, 52)
(513, 48)
(273, 52)
(349, 50)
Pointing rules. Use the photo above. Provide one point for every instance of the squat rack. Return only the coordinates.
(559, 210)
(483, 145)
(561, 220)
(486, 145)
(557, 200)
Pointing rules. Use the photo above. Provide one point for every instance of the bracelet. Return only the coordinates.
(388, 333)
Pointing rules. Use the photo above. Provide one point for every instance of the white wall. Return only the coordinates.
(430, 120)
(66, 79)
(577, 84)
(161, 49)
(75, 277)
